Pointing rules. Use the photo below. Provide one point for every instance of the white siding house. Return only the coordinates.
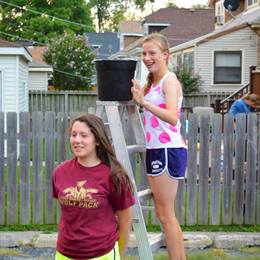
(38, 77)
(222, 58)
(14, 61)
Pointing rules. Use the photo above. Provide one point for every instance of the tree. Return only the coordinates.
(172, 4)
(190, 82)
(118, 16)
(105, 10)
(35, 20)
(200, 6)
(72, 61)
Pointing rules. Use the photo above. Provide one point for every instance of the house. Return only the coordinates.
(14, 62)
(222, 58)
(39, 71)
(177, 24)
(129, 32)
(104, 44)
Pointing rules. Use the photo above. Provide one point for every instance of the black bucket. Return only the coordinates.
(114, 79)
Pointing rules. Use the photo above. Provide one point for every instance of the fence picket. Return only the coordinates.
(25, 217)
(2, 166)
(49, 162)
(62, 127)
(37, 120)
(239, 169)
(228, 170)
(251, 170)
(258, 175)
(12, 212)
(192, 170)
(215, 170)
(203, 169)
(180, 196)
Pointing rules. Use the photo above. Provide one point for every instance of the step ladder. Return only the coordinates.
(114, 111)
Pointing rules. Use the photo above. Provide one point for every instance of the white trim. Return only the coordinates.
(219, 6)
(188, 50)
(40, 69)
(132, 34)
(242, 68)
(195, 50)
(157, 24)
(15, 51)
(1, 90)
(17, 80)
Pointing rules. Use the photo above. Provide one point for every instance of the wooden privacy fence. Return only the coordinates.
(61, 101)
(74, 101)
(204, 99)
(222, 178)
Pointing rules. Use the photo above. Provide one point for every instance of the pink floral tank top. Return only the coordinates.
(160, 134)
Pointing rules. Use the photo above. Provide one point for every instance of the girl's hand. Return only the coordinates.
(137, 92)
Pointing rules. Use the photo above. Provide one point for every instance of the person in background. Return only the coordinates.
(245, 105)
(95, 195)
(166, 151)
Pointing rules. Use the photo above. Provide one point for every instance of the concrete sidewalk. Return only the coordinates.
(192, 240)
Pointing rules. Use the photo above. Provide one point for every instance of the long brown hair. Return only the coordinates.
(104, 149)
(162, 42)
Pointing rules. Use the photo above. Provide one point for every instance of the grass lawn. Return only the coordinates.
(212, 254)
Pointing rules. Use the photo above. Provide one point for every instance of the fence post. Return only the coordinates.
(217, 106)
(66, 102)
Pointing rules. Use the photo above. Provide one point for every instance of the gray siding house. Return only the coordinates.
(177, 24)
(222, 58)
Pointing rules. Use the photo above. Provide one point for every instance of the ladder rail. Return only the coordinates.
(116, 130)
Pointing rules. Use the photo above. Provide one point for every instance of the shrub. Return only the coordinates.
(190, 82)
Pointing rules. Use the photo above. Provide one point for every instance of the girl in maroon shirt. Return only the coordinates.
(95, 195)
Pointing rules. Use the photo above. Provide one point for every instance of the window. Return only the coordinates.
(251, 2)
(188, 61)
(179, 59)
(156, 28)
(227, 67)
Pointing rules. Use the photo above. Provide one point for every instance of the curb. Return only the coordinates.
(192, 240)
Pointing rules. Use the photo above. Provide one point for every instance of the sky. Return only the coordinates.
(158, 4)
(180, 3)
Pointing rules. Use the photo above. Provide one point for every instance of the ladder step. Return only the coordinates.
(145, 194)
(156, 240)
(135, 220)
(136, 148)
(147, 208)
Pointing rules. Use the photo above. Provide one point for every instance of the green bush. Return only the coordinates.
(190, 82)
(72, 61)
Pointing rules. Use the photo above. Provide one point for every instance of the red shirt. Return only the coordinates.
(88, 225)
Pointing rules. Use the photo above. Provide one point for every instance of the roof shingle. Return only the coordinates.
(186, 24)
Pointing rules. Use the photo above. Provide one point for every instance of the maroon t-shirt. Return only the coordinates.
(88, 225)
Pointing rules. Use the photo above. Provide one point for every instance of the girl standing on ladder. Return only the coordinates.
(166, 151)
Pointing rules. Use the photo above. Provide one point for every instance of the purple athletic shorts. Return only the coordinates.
(171, 160)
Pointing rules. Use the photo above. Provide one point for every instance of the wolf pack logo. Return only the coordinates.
(79, 196)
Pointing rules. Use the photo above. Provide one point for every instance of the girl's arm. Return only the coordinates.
(172, 90)
(124, 224)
